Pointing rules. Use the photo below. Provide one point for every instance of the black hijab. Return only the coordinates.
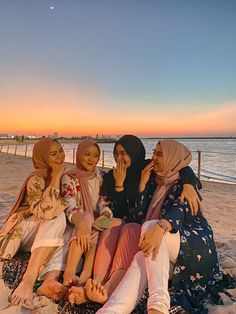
(135, 149)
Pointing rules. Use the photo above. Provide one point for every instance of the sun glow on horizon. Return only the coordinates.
(42, 110)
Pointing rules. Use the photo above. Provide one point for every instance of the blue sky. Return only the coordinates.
(147, 58)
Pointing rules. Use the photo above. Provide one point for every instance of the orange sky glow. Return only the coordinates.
(73, 113)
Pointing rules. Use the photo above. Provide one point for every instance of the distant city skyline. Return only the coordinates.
(150, 68)
(108, 136)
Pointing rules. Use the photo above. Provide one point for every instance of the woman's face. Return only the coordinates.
(120, 154)
(89, 158)
(56, 154)
(158, 159)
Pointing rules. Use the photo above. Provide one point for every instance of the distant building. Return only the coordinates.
(4, 136)
(55, 135)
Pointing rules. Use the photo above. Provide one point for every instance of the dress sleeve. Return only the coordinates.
(138, 213)
(176, 215)
(119, 204)
(109, 197)
(188, 176)
(43, 203)
(71, 192)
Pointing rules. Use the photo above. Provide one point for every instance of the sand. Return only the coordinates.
(219, 200)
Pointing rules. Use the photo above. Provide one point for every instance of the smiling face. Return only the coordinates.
(121, 154)
(56, 154)
(158, 159)
(89, 158)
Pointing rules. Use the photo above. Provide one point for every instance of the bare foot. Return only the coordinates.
(23, 294)
(77, 295)
(84, 276)
(95, 291)
(70, 279)
(52, 289)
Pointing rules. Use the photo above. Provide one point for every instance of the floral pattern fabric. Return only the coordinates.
(71, 192)
(39, 202)
(134, 209)
(197, 269)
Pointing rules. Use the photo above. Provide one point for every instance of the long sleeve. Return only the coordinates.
(138, 212)
(175, 212)
(43, 203)
(116, 201)
(176, 215)
(71, 192)
(119, 204)
(188, 176)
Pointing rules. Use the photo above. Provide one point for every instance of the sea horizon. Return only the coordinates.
(217, 154)
(115, 137)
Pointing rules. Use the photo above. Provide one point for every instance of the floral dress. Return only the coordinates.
(197, 268)
(71, 192)
(38, 203)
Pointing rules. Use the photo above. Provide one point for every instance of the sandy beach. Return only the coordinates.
(219, 202)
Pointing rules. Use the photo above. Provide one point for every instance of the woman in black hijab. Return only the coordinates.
(120, 185)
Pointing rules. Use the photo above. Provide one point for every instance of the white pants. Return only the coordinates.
(47, 233)
(144, 271)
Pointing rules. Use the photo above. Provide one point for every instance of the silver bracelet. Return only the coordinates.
(163, 225)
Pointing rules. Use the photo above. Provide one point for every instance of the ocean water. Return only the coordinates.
(218, 156)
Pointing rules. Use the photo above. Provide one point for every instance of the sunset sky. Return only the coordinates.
(146, 67)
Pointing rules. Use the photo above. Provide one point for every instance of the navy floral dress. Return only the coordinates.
(197, 268)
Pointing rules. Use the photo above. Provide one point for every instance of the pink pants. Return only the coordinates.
(144, 271)
(118, 245)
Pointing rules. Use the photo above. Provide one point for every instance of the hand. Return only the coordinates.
(192, 198)
(145, 175)
(106, 213)
(119, 173)
(83, 236)
(58, 170)
(150, 241)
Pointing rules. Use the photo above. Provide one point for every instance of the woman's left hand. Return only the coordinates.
(192, 198)
(150, 241)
